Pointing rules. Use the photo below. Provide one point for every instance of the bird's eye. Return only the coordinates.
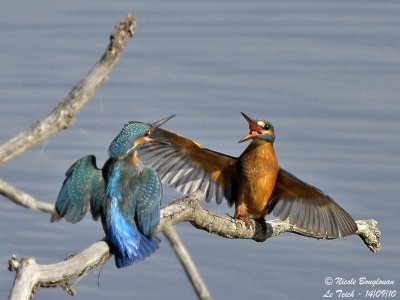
(267, 127)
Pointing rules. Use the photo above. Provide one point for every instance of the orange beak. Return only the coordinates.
(255, 130)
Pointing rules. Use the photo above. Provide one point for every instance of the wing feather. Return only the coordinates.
(310, 209)
(148, 206)
(82, 188)
(187, 166)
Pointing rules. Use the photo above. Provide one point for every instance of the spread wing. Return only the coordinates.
(309, 208)
(83, 187)
(149, 201)
(187, 166)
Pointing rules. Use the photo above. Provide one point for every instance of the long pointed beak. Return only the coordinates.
(147, 139)
(253, 126)
(246, 138)
(162, 121)
(249, 120)
(154, 126)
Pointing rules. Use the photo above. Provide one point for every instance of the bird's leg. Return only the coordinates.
(241, 213)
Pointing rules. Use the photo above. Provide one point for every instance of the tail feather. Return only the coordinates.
(146, 248)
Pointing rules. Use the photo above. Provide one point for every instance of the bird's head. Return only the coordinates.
(259, 129)
(132, 135)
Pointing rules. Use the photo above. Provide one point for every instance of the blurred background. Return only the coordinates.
(326, 74)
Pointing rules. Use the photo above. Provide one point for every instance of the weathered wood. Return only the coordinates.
(190, 210)
(186, 262)
(63, 115)
(21, 198)
(369, 232)
(31, 275)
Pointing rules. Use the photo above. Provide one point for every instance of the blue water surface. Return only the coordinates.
(326, 74)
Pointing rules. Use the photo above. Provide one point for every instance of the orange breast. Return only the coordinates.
(256, 177)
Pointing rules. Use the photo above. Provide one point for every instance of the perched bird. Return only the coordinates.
(254, 182)
(126, 198)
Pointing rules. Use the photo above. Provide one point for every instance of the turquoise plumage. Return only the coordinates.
(126, 198)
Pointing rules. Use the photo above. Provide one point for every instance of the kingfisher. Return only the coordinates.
(125, 196)
(253, 182)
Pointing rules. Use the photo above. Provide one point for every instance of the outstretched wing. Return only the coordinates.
(83, 187)
(309, 208)
(187, 166)
(149, 201)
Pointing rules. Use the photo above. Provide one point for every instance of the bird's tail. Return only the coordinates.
(146, 248)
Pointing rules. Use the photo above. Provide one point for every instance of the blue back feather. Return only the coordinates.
(133, 211)
(127, 200)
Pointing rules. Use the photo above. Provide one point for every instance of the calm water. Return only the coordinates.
(327, 74)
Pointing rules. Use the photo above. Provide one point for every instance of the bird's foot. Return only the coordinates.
(242, 219)
(263, 230)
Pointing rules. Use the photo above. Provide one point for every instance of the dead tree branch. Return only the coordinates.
(31, 276)
(21, 198)
(186, 262)
(63, 115)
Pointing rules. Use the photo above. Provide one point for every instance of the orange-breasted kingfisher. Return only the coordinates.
(126, 198)
(254, 182)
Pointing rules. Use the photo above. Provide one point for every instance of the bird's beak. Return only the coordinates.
(162, 121)
(147, 138)
(154, 126)
(255, 130)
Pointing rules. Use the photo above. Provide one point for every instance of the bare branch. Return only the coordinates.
(31, 276)
(21, 198)
(185, 209)
(189, 209)
(186, 261)
(63, 115)
(369, 232)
